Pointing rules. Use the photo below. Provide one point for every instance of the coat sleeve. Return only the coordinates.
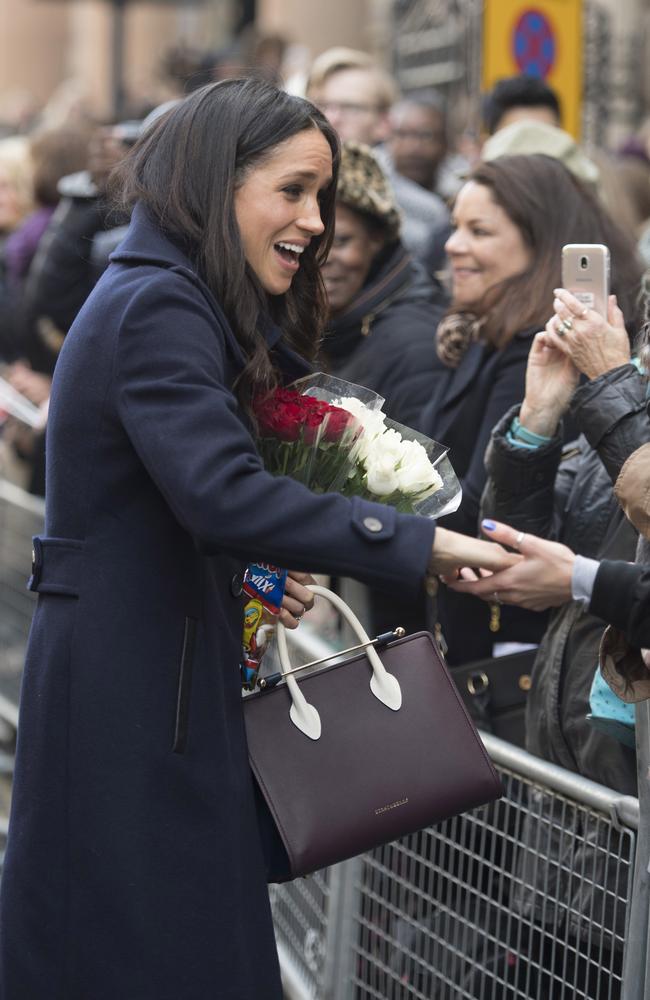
(183, 421)
(621, 597)
(611, 412)
(526, 487)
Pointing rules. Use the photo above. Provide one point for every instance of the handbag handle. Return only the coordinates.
(384, 686)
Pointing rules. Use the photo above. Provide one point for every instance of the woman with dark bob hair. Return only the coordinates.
(511, 219)
(135, 861)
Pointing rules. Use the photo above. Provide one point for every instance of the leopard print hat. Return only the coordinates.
(364, 187)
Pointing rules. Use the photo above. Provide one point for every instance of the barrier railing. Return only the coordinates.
(535, 896)
(530, 897)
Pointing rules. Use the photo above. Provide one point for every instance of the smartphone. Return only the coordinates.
(585, 273)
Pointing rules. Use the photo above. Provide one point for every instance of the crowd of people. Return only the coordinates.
(430, 275)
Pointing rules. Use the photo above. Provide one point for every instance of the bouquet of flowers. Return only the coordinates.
(331, 436)
(305, 438)
(395, 465)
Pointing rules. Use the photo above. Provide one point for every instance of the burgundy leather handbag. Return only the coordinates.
(363, 751)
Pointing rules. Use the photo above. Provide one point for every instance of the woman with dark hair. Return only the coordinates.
(511, 218)
(135, 862)
(383, 306)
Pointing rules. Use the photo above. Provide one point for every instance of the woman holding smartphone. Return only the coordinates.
(511, 220)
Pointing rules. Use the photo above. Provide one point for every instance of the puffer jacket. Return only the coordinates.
(567, 494)
(386, 339)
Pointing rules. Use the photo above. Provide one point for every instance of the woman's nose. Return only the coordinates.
(455, 242)
(311, 220)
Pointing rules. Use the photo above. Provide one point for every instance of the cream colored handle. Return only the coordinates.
(383, 685)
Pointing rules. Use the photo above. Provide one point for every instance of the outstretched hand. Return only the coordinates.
(452, 550)
(539, 580)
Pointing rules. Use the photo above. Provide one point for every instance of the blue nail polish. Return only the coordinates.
(488, 525)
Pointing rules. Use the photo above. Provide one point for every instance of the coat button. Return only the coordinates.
(237, 585)
(372, 523)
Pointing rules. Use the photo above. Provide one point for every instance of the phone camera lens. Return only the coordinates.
(584, 263)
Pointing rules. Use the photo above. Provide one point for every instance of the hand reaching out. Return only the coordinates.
(539, 580)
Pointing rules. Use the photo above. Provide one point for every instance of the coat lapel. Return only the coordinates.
(464, 376)
(146, 244)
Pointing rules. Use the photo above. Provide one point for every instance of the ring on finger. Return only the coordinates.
(520, 537)
(561, 328)
(495, 595)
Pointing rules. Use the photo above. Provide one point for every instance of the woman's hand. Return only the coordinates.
(452, 550)
(297, 598)
(542, 579)
(593, 344)
(34, 385)
(551, 380)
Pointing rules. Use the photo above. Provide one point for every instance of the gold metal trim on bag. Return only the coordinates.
(472, 685)
(381, 640)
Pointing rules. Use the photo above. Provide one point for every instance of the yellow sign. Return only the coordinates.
(541, 38)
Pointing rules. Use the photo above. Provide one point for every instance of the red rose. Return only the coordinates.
(312, 424)
(337, 423)
(286, 422)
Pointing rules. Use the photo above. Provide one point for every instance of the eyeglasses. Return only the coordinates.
(347, 109)
(414, 135)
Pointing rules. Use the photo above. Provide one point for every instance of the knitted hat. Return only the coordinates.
(528, 137)
(364, 187)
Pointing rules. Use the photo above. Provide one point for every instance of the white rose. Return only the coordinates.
(381, 476)
(372, 421)
(388, 445)
(415, 474)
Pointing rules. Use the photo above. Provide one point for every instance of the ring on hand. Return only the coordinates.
(495, 595)
(567, 323)
(561, 328)
(519, 539)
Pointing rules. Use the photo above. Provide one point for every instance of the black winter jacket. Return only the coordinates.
(467, 402)
(386, 339)
(621, 596)
(64, 270)
(567, 495)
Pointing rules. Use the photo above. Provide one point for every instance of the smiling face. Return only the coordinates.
(485, 248)
(353, 249)
(277, 207)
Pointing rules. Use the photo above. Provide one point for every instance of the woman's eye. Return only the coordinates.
(293, 191)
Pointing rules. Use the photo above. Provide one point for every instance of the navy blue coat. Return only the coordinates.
(466, 404)
(134, 867)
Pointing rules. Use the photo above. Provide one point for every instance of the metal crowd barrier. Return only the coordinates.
(21, 517)
(535, 897)
(528, 898)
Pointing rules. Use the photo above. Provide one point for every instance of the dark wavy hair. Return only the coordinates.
(550, 207)
(186, 169)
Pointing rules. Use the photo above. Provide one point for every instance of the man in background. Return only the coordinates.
(357, 95)
(517, 98)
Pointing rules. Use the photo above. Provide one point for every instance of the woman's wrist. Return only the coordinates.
(543, 422)
(597, 367)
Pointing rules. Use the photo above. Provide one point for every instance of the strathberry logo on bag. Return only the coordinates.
(391, 805)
